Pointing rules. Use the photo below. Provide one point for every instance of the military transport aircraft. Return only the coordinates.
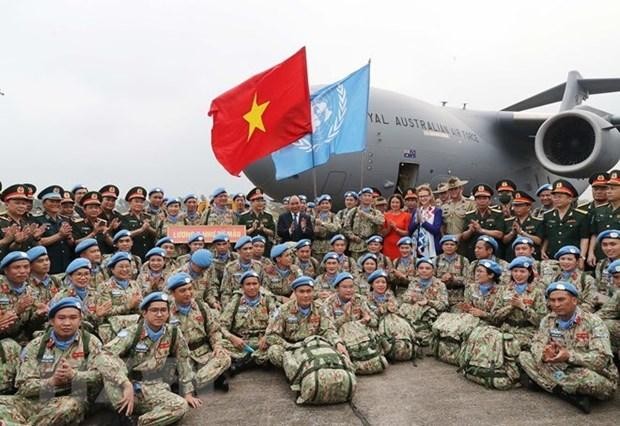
(410, 142)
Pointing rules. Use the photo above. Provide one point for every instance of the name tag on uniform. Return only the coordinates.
(174, 321)
(243, 309)
(291, 319)
(237, 275)
(338, 312)
(141, 347)
(4, 300)
(48, 358)
(556, 334)
(117, 293)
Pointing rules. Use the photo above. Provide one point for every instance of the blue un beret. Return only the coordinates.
(278, 250)
(259, 239)
(424, 260)
(189, 197)
(614, 267)
(221, 238)
(117, 257)
(521, 262)
(330, 255)
(303, 243)
(196, 236)
(218, 191)
(65, 302)
(375, 239)
(120, 234)
(377, 274)
(608, 233)
(366, 190)
(340, 277)
(36, 252)
(202, 258)
(157, 296)
(178, 280)
(562, 285)
(405, 240)
(79, 263)
(13, 256)
(324, 197)
(574, 250)
(366, 257)
(156, 189)
(351, 194)
(489, 240)
(522, 240)
(163, 241)
(545, 187)
(155, 251)
(301, 281)
(447, 238)
(85, 245)
(491, 266)
(248, 274)
(243, 241)
(337, 237)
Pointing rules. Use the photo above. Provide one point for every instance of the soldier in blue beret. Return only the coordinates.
(305, 258)
(259, 244)
(326, 225)
(339, 246)
(90, 250)
(609, 243)
(279, 278)
(195, 242)
(323, 284)
(610, 311)
(452, 268)
(200, 268)
(486, 248)
(403, 269)
(367, 264)
(192, 217)
(350, 201)
(544, 197)
(44, 286)
(374, 245)
(219, 213)
(77, 281)
(124, 242)
(568, 260)
(153, 274)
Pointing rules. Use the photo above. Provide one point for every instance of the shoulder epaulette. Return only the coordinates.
(471, 211)
(547, 211)
(536, 218)
(78, 220)
(510, 218)
(495, 210)
(581, 211)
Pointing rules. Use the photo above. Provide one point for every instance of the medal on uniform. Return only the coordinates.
(141, 347)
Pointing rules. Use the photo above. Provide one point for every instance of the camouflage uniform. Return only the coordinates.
(323, 232)
(391, 326)
(9, 361)
(43, 292)
(133, 356)
(610, 314)
(454, 215)
(37, 401)
(585, 284)
(121, 315)
(247, 322)
(288, 326)
(590, 369)
(98, 276)
(421, 317)
(232, 277)
(323, 283)
(135, 261)
(347, 264)
(362, 286)
(362, 224)
(278, 282)
(89, 318)
(471, 272)
(168, 221)
(522, 324)
(474, 297)
(219, 264)
(204, 288)
(604, 282)
(309, 268)
(383, 262)
(201, 329)
(192, 220)
(149, 282)
(457, 267)
(216, 216)
(353, 310)
(27, 322)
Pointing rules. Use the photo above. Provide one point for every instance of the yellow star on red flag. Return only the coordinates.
(254, 117)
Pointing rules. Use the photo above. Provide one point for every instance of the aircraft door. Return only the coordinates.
(407, 176)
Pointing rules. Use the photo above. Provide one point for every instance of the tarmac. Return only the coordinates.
(428, 393)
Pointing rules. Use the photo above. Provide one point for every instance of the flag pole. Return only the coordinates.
(362, 154)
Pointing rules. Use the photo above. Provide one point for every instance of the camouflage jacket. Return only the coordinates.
(200, 328)
(44, 293)
(9, 362)
(457, 267)
(279, 282)
(120, 297)
(136, 264)
(288, 326)
(405, 266)
(27, 321)
(214, 216)
(242, 320)
(194, 219)
(309, 268)
(351, 310)
(454, 214)
(149, 282)
(324, 229)
(604, 283)
(382, 307)
(323, 283)
(533, 299)
(41, 357)
(220, 262)
(88, 303)
(471, 272)
(133, 356)
(362, 224)
(436, 294)
(585, 284)
(474, 297)
(205, 288)
(611, 309)
(231, 281)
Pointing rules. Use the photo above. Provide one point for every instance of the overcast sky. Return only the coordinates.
(118, 91)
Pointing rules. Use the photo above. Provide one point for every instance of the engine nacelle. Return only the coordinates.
(574, 144)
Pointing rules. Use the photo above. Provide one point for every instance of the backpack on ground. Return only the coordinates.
(450, 330)
(397, 338)
(363, 348)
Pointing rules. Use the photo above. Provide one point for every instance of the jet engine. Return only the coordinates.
(577, 143)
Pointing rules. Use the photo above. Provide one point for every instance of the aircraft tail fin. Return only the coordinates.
(571, 93)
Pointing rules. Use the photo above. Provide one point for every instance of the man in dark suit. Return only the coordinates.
(295, 225)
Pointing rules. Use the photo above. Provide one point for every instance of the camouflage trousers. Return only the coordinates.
(260, 357)
(9, 360)
(614, 334)
(572, 380)
(155, 404)
(62, 410)
(276, 355)
(210, 368)
(455, 296)
(421, 319)
(523, 335)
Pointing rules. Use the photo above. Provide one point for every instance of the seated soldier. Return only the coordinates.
(89, 249)
(123, 242)
(9, 355)
(167, 244)
(118, 298)
(368, 264)
(152, 275)
(199, 267)
(423, 301)
(244, 321)
(610, 311)
(279, 278)
(259, 243)
(451, 268)
(134, 364)
(609, 241)
(480, 296)
(304, 258)
(222, 254)
(297, 319)
(324, 283)
(57, 381)
(568, 260)
(77, 280)
(544, 271)
(485, 248)
(195, 242)
(234, 269)
(374, 245)
(520, 304)
(339, 246)
(570, 355)
(403, 270)
(43, 286)
(201, 330)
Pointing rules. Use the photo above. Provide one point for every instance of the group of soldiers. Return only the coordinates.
(92, 299)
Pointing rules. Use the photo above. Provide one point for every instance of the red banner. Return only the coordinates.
(180, 234)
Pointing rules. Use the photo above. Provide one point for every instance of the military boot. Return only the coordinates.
(580, 401)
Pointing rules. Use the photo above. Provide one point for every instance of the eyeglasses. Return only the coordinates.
(157, 311)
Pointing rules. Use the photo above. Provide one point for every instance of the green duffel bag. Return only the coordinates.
(318, 373)
(450, 330)
(363, 348)
(397, 338)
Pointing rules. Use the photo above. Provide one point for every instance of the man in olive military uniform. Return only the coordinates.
(91, 226)
(505, 192)
(605, 217)
(564, 225)
(598, 182)
(522, 224)
(231, 280)
(57, 238)
(109, 195)
(219, 213)
(78, 192)
(134, 364)
(570, 354)
(57, 380)
(143, 226)
(17, 231)
(544, 197)
(298, 319)
(67, 207)
(483, 220)
(361, 223)
(257, 221)
(455, 209)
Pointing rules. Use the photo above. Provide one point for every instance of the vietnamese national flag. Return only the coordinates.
(262, 114)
